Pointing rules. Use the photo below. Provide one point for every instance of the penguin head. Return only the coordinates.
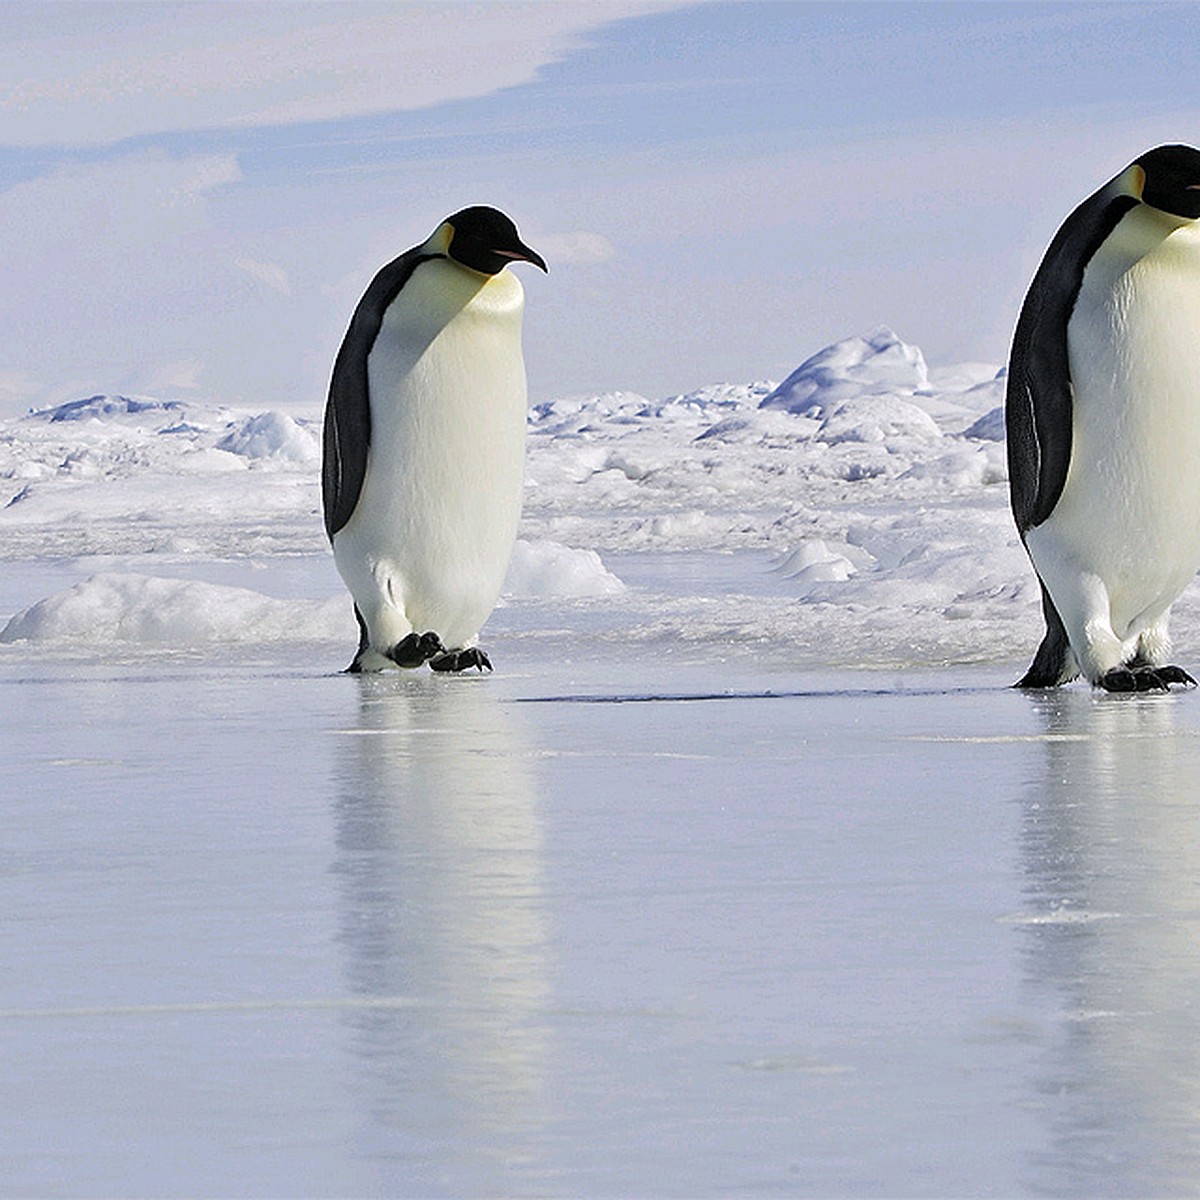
(1169, 180)
(485, 240)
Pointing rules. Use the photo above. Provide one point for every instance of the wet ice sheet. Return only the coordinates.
(271, 932)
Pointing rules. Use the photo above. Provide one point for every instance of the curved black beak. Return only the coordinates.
(524, 253)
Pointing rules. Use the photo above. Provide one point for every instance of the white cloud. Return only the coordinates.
(268, 273)
(17, 390)
(581, 247)
(113, 267)
(183, 375)
(93, 74)
(85, 211)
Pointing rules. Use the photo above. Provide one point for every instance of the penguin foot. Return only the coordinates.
(1175, 675)
(416, 649)
(1144, 678)
(461, 660)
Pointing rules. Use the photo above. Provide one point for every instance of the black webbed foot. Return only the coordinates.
(1129, 679)
(416, 649)
(1172, 674)
(461, 660)
(1141, 677)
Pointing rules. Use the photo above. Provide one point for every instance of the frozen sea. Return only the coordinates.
(745, 873)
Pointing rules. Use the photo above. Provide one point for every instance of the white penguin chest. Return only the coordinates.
(448, 406)
(1132, 493)
(431, 535)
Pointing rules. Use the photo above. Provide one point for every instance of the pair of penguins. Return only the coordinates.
(424, 435)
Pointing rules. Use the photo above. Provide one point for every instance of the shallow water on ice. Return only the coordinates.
(275, 931)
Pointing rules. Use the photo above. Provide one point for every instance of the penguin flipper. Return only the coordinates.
(1039, 397)
(1052, 663)
(347, 431)
(1038, 403)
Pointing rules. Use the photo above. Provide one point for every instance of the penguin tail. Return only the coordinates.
(1053, 663)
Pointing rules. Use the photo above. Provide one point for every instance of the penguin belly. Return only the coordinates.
(427, 546)
(1124, 539)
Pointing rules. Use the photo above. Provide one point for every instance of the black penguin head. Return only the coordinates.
(1171, 180)
(485, 240)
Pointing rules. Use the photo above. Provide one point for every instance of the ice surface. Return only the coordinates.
(274, 932)
(744, 874)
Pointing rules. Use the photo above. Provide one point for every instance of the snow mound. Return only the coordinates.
(989, 428)
(545, 570)
(102, 407)
(814, 561)
(271, 435)
(876, 418)
(123, 608)
(869, 365)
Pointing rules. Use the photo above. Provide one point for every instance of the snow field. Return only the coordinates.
(864, 499)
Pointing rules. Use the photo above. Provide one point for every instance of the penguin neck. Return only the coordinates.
(442, 298)
(447, 324)
(1141, 233)
(442, 292)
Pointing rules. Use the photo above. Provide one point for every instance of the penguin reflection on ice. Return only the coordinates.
(1103, 414)
(424, 445)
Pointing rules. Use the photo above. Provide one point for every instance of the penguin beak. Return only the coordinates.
(524, 253)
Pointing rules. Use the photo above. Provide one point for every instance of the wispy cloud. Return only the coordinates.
(182, 375)
(579, 248)
(268, 273)
(80, 75)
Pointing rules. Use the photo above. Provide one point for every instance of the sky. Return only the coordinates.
(193, 196)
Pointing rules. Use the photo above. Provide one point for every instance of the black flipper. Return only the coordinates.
(1039, 398)
(1049, 664)
(347, 435)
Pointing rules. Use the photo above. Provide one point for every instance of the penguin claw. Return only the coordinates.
(1175, 675)
(1144, 678)
(461, 660)
(416, 649)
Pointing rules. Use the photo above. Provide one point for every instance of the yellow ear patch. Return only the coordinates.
(1131, 181)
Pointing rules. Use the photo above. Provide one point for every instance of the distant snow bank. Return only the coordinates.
(874, 364)
(96, 408)
(127, 607)
(869, 486)
(546, 570)
(272, 435)
(265, 435)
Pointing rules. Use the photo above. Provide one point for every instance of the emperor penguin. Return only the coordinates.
(1103, 416)
(424, 444)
